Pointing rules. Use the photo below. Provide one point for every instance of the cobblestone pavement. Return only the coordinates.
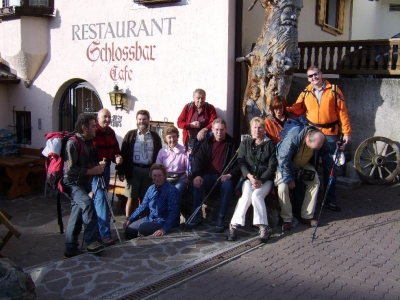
(356, 255)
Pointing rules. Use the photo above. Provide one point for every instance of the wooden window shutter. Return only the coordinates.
(321, 12)
(340, 16)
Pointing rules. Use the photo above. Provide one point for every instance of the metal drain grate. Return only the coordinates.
(185, 274)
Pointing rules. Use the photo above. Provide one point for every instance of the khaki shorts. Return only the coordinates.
(139, 183)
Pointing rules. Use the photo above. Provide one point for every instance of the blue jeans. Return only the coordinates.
(82, 212)
(101, 205)
(182, 188)
(227, 189)
(141, 227)
(327, 165)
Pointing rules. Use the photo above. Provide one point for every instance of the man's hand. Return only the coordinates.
(126, 224)
(195, 124)
(346, 140)
(224, 177)
(118, 159)
(96, 170)
(201, 135)
(121, 177)
(159, 232)
(291, 185)
(197, 182)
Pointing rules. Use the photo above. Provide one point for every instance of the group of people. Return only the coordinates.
(157, 178)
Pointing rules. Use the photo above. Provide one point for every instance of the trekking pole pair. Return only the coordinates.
(209, 193)
(331, 177)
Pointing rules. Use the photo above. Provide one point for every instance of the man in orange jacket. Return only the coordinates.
(324, 106)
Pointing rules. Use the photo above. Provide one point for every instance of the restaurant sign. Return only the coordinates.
(105, 48)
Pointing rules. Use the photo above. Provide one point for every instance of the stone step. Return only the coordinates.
(346, 183)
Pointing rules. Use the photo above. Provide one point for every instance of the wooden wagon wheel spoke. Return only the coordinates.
(370, 153)
(386, 169)
(391, 161)
(384, 149)
(375, 147)
(372, 171)
(380, 173)
(366, 158)
(391, 153)
(377, 160)
(367, 166)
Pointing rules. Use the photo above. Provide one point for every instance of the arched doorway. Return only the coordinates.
(79, 97)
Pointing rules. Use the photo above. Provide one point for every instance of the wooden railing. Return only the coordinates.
(363, 57)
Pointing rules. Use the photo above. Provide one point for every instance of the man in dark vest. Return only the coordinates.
(139, 151)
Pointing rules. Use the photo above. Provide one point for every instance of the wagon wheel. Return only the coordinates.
(377, 160)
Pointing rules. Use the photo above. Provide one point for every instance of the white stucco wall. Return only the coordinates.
(381, 24)
(194, 50)
(308, 29)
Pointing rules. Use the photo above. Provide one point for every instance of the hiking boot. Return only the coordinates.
(107, 242)
(220, 225)
(232, 233)
(72, 253)
(332, 207)
(197, 220)
(309, 222)
(286, 226)
(264, 234)
(95, 248)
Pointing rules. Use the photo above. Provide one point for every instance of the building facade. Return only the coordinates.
(69, 59)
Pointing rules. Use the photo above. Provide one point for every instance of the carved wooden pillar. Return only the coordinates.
(275, 55)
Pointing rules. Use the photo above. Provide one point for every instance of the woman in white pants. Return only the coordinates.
(257, 162)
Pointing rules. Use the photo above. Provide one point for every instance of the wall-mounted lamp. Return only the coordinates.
(118, 98)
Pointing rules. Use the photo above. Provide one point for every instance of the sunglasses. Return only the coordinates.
(312, 75)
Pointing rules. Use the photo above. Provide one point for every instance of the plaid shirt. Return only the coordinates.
(77, 165)
(106, 144)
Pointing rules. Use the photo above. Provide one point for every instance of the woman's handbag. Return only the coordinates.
(173, 178)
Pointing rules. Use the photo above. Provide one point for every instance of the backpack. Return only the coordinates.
(291, 123)
(334, 93)
(55, 146)
(189, 105)
(54, 164)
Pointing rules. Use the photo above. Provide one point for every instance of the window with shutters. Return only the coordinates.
(330, 15)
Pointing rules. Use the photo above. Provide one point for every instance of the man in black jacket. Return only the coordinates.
(139, 151)
(214, 162)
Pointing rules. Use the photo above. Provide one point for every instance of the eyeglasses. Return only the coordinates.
(312, 75)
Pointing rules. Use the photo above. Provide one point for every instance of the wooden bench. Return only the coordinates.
(119, 190)
(37, 171)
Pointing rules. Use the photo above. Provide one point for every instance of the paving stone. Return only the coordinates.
(355, 256)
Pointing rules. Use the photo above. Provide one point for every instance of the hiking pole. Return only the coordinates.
(331, 176)
(209, 193)
(115, 182)
(101, 179)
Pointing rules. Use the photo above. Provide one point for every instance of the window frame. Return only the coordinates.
(322, 7)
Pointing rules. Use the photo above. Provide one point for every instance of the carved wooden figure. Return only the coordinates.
(275, 56)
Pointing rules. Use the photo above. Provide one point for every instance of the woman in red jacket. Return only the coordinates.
(275, 121)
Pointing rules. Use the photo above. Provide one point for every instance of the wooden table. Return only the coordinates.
(17, 168)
